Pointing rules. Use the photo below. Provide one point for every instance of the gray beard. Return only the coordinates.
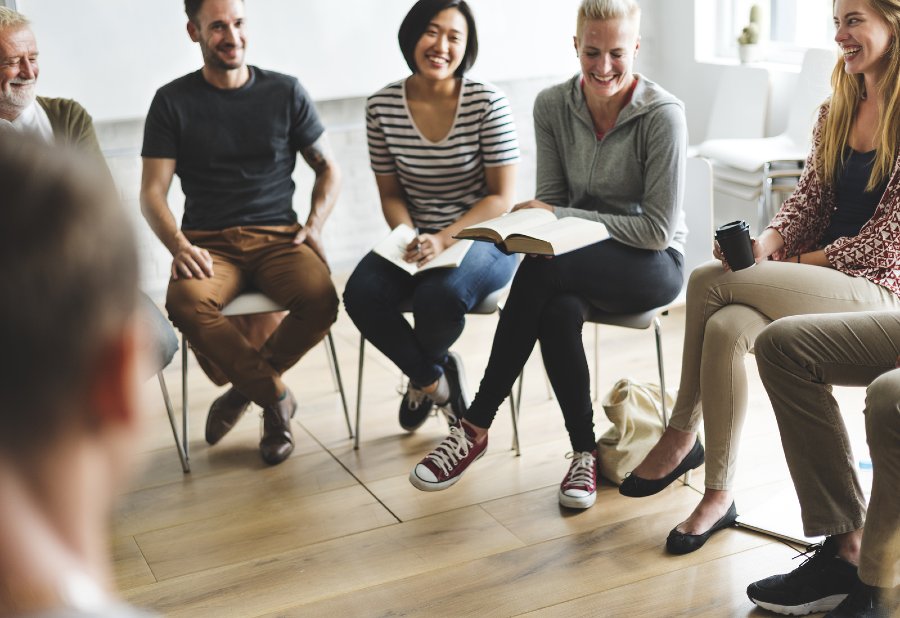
(17, 101)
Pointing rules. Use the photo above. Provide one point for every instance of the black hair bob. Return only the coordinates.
(416, 22)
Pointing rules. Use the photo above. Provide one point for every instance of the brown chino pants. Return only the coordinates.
(263, 258)
(799, 358)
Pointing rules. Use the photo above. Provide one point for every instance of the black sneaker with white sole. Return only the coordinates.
(456, 406)
(819, 584)
(415, 407)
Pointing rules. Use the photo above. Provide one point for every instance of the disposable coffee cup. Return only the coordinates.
(734, 241)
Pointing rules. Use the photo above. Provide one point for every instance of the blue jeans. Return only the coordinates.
(440, 300)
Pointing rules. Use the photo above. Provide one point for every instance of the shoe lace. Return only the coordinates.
(811, 555)
(452, 450)
(581, 470)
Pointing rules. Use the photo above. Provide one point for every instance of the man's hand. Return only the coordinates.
(311, 235)
(533, 204)
(192, 262)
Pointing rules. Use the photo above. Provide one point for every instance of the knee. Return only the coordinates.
(883, 407)
(724, 332)
(186, 305)
(703, 278)
(359, 293)
(438, 302)
(320, 307)
(562, 313)
(774, 343)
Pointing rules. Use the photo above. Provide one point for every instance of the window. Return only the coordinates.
(788, 27)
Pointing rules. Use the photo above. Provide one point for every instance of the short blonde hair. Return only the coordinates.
(607, 9)
(11, 19)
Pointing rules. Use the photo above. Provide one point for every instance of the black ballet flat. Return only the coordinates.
(636, 487)
(680, 543)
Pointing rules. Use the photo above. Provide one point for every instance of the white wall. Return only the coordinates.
(112, 55)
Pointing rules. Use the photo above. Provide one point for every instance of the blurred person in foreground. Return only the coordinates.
(70, 374)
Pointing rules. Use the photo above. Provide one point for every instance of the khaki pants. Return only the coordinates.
(265, 259)
(799, 359)
(725, 312)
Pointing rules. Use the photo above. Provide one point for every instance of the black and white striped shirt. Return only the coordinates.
(442, 180)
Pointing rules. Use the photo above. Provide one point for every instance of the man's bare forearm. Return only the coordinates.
(327, 186)
(159, 217)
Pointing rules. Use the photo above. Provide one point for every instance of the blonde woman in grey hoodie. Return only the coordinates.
(610, 148)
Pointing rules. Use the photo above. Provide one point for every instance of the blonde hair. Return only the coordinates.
(607, 9)
(848, 90)
(11, 19)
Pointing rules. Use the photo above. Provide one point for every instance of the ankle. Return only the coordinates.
(848, 546)
(479, 432)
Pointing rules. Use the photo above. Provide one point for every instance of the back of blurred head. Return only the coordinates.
(69, 367)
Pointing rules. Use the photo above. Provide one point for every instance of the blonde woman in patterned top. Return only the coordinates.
(833, 247)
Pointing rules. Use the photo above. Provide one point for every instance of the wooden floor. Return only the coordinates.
(338, 532)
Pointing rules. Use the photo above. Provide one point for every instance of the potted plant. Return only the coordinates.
(749, 49)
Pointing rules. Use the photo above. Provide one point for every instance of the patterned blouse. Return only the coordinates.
(874, 253)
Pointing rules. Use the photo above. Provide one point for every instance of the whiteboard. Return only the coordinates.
(112, 55)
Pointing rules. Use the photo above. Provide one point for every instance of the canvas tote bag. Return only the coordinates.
(635, 412)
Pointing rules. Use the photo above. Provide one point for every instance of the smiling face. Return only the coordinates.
(442, 46)
(863, 36)
(219, 30)
(607, 50)
(18, 71)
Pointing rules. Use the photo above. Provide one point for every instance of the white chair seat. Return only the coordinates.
(250, 303)
(749, 155)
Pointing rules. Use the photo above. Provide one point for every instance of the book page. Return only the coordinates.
(563, 235)
(393, 248)
(510, 223)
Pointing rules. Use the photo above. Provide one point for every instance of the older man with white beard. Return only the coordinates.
(56, 120)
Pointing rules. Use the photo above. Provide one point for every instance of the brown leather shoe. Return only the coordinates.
(277, 442)
(224, 414)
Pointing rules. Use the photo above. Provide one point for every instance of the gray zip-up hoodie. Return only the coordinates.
(632, 180)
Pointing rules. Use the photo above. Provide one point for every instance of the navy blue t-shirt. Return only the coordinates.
(234, 150)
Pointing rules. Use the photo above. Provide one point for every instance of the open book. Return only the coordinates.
(538, 231)
(393, 248)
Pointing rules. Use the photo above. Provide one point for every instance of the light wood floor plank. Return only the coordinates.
(233, 490)
(709, 590)
(535, 576)
(334, 567)
(259, 529)
(129, 567)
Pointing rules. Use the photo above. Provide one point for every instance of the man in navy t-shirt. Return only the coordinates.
(232, 132)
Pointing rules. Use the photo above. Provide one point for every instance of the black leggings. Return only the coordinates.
(549, 301)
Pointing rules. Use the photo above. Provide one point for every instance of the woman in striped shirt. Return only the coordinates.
(444, 151)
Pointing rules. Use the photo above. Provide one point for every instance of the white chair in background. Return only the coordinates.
(739, 106)
(756, 168)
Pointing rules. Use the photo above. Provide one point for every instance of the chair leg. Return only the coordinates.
(359, 383)
(662, 371)
(336, 373)
(596, 362)
(332, 364)
(184, 398)
(514, 413)
(185, 465)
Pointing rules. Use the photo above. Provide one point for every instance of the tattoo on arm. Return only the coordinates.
(318, 155)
